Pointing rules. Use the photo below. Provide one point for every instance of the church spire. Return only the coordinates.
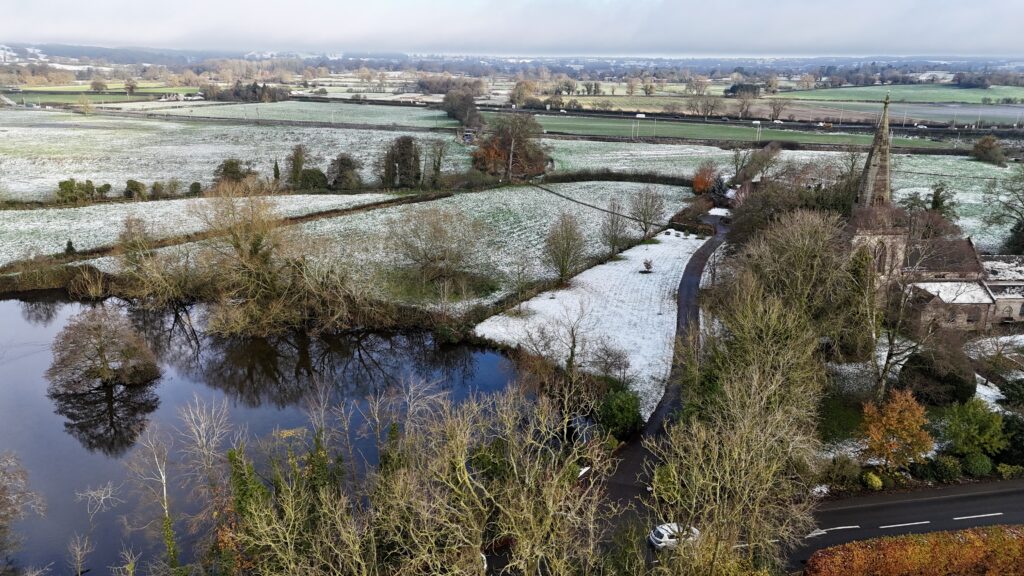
(874, 183)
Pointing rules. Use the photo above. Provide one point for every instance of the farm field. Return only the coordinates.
(24, 233)
(40, 148)
(587, 126)
(85, 87)
(327, 112)
(515, 221)
(618, 306)
(43, 99)
(908, 93)
(962, 114)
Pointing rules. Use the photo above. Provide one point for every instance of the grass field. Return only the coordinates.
(327, 112)
(908, 93)
(745, 132)
(86, 87)
(45, 99)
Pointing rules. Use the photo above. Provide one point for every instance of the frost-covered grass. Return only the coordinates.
(327, 112)
(38, 149)
(514, 221)
(24, 233)
(668, 159)
(613, 304)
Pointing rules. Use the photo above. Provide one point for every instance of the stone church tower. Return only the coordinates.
(874, 224)
(875, 188)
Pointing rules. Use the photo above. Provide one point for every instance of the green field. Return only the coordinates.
(41, 98)
(908, 93)
(743, 133)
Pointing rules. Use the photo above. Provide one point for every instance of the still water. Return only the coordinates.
(68, 443)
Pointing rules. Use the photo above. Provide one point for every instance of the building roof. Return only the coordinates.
(1003, 268)
(1006, 292)
(952, 255)
(957, 292)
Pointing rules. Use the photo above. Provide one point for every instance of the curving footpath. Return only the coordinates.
(626, 485)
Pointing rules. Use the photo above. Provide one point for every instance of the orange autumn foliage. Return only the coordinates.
(704, 177)
(992, 550)
(894, 433)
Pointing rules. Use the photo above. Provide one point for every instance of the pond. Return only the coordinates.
(70, 442)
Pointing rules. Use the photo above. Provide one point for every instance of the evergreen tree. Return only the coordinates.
(277, 171)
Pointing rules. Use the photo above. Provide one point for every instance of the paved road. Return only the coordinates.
(950, 508)
(626, 485)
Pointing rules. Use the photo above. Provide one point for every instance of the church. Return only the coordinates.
(951, 284)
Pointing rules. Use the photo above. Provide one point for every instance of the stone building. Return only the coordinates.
(949, 283)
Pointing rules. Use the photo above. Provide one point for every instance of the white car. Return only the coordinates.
(669, 535)
(777, 122)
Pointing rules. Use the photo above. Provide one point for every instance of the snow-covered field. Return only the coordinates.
(614, 304)
(24, 233)
(668, 159)
(514, 221)
(39, 148)
(326, 112)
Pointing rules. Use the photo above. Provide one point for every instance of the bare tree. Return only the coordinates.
(99, 499)
(149, 468)
(613, 228)
(698, 85)
(441, 246)
(744, 101)
(704, 106)
(647, 207)
(79, 549)
(777, 107)
(565, 247)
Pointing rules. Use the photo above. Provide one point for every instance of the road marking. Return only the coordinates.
(841, 528)
(907, 524)
(979, 516)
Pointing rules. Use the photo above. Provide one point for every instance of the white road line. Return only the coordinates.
(907, 524)
(979, 516)
(841, 528)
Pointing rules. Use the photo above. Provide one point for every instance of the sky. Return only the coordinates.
(531, 27)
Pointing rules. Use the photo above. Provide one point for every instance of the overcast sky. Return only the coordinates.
(532, 27)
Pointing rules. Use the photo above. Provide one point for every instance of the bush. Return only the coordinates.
(924, 471)
(103, 190)
(1013, 430)
(1013, 393)
(888, 482)
(312, 179)
(938, 379)
(972, 427)
(946, 469)
(976, 465)
(988, 149)
(989, 550)
(157, 190)
(842, 472)
(871, 481)
(619, 413)
(135, 189)
(1009, 471)
(195, 189)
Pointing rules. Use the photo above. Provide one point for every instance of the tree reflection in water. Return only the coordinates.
(102, 380)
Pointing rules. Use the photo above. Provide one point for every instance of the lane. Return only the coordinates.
(951, 508)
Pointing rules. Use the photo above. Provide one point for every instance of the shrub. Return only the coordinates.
(195, 189)
(69, 248)
(157, 190)
(312, 179)
(1013, 430)
(888, 482)
(938, 378)
(841, 472)
(988, 149)
(946, 469)
(988, 550)
(972, 427)
(232, 170)
(72, 191)
(976, 465)
(1013, 393)
(924, 471)
(619, 413)
(103, 190)
(135, 189)
(871, 481)
(894, 432)
(1009, 471)
(565, 247)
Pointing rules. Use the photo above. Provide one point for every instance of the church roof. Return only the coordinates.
(1003, 268)
(953, 255)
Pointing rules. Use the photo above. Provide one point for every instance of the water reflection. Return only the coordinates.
(39, 312)
(102, 379)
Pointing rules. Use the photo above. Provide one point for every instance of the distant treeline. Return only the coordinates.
(254, 92)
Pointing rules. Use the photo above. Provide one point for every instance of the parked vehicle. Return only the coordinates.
(777, 122)
(725, 118)
(669, 535)
(756, 122)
